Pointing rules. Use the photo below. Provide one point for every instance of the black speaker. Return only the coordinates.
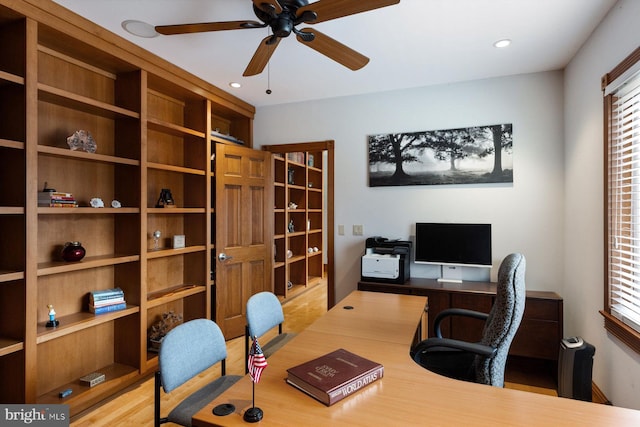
(575, 366)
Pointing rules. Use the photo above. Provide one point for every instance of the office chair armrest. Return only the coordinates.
(455, 312)
(434, 344)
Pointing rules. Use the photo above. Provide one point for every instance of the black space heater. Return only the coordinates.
(575, 365)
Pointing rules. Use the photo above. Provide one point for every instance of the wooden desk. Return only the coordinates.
(538, 336)
(382, 327)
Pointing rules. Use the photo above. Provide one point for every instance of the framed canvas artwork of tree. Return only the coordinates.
(473, 155)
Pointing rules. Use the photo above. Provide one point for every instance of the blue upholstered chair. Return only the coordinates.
(187, 350)
(264, 312)
(482, 362)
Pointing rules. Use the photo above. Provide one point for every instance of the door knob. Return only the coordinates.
(223, 256)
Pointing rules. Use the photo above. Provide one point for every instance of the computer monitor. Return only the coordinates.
(453, 244)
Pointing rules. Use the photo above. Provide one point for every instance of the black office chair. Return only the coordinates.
(186, 351)
(264, 312)
(482, 362)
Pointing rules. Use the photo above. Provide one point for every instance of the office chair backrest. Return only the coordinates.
(504, 319)
(189, 349)
(264, 312)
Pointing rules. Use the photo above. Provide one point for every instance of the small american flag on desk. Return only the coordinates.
(257, 362)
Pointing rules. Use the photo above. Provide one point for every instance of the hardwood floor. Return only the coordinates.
(134, 406)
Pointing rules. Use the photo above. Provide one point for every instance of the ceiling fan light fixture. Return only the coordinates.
(502, 43)
(139, 28)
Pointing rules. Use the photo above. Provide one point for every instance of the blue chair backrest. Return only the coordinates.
(264, 312)
(189, 349)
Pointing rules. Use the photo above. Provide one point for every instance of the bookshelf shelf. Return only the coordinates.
(7, 143)
(57, 267)
(8, 346)
(117, 376)
(179, 169)
(76, 322)
(68, 99)
(87, 211)
(161, 253)
(9, 276)
(173, 129)
(81, 155)
(173, 294)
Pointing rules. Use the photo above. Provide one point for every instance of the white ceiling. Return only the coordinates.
(412, 44)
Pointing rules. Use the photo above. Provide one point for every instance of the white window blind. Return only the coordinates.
(624, 202)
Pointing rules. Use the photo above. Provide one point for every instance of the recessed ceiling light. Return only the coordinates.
(235, 85)
(502, 43)
(139, 28)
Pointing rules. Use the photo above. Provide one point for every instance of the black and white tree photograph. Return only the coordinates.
(472, 155)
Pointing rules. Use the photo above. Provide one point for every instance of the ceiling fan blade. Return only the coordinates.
(332, 9)
(207, 26)
(261, 56)
(276, 6)
(334, 49)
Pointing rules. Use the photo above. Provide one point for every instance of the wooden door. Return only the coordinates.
(243, 232)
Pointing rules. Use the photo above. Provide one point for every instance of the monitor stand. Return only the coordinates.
(450, 273)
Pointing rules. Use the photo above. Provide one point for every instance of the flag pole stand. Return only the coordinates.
(253, 414)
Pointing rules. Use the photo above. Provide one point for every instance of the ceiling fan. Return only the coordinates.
(283, 16)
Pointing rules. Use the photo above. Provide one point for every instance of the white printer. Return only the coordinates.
(381, 266)
(386, 260)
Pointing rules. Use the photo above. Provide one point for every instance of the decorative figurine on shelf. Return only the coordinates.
(82, 140)
(168, 321)
(290, 227)
(293, 205)
(156, 239)
(116, 204)
(96, 202)
(52, 323)
(291, 176)
(165, 200)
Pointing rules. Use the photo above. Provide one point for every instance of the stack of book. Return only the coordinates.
(106, 301)
(55, 199)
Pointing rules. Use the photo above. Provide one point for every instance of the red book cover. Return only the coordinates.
(334, 376)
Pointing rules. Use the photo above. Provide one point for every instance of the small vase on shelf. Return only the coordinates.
(73, 251)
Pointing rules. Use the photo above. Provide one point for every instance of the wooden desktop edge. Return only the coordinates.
(446, 401)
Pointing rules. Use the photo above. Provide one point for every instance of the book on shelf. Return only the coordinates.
(334, 376)
(55, 199)
(297, 157)
(110, 301)
(108, 308)
(106, 294)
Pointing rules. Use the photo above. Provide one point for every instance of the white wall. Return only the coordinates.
(553, 211)
(616, 368)
(526, 216)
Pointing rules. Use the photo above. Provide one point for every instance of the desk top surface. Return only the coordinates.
(381, 327)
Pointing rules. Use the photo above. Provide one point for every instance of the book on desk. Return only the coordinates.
(334, 376)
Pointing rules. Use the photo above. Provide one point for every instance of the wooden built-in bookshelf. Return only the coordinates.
(299, 201)
(152, 123)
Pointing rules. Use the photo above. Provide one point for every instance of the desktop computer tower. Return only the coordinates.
(575, 366)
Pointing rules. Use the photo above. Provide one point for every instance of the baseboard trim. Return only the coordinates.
(598, 395)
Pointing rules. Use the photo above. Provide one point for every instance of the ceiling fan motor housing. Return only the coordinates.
(281, 24)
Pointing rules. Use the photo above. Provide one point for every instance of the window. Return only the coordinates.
(622, 201)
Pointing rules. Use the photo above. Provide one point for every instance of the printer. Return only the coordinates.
(386, 260)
